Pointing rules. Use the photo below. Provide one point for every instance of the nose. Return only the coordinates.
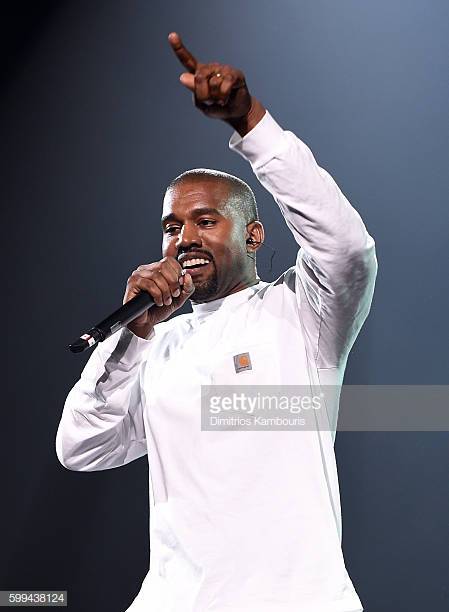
(188, 236)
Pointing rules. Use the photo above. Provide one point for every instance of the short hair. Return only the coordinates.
(241, 196)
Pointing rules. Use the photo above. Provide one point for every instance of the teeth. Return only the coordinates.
(189, 263)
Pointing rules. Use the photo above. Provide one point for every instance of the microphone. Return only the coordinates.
(118, 319)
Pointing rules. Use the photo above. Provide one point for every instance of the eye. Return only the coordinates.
(171, 229)
(207, 222)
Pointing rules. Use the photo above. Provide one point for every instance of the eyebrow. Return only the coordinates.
(204, 210)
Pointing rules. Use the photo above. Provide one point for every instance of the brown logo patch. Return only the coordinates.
(242, 362)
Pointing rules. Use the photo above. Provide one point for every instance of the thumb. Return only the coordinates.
(188, 80)
(188, 287)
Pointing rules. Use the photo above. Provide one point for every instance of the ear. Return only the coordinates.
(255, 235)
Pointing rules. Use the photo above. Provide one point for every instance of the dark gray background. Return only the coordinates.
(94, 124)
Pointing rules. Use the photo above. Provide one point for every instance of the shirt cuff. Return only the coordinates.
(124, 346)
(141, 342)
(131, 347)
(260, 144)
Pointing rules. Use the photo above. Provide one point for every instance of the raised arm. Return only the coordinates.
(336, 265)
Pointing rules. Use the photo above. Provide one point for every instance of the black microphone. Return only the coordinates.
(118, 319)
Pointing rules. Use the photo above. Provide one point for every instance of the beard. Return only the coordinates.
(206, 291)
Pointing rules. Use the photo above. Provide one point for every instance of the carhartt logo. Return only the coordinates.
(242, 362)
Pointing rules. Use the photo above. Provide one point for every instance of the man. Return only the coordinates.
(240, 520)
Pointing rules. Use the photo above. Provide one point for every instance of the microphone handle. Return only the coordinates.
(118, 319)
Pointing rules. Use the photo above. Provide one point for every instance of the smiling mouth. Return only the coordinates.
(190, 264)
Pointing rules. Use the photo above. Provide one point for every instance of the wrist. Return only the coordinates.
(243, 125)
(141, 331)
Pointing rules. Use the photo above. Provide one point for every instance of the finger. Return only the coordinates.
(170, 268)
(183, 54)
(226, 87)
(202, 82)
(172, 275)
(163, 285)
(214, 85)
(160, 280)
(174, 264)
(188, 80)
(137, 283)
(145, 280)
(201, 87)
(153, 289)
(188, 286)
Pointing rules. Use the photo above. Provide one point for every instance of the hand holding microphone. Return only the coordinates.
(153, 292)
(165, 283)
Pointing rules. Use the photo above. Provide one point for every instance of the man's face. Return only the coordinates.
(197, 224)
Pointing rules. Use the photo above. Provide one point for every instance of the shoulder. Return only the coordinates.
(286, 282)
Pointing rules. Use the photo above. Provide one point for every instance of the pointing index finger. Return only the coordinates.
(183, 54)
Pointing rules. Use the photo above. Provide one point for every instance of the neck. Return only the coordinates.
(240, 286)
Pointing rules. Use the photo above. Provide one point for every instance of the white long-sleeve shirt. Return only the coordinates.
(240, 521)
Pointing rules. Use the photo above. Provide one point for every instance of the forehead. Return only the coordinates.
(192, 193)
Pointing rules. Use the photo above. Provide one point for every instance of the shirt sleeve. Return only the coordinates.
(336, 265)
(102, 421)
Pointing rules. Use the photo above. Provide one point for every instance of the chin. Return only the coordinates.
(205, 291)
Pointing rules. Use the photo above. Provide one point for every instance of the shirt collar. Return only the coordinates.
(229, 301)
